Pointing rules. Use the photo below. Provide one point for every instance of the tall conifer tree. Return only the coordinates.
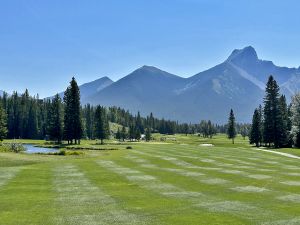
(231, 130)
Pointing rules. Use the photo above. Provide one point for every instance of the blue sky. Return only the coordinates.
(44, 43)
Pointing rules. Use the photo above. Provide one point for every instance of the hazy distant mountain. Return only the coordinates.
(237, 83)
(146, 89)
(92, 88)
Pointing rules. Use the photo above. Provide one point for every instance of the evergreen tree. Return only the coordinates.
(32, 124)
(123, 133)
(231, 130)
(274, 129)
(139, 124)
(210, 129)
(73, 124)
(118, 134)
(186, 129)
(137, 134)
(55, 120)
(295, 118)
(255, 134)
(89, 121)
(284, 122)
(101, 124)
(244, 131)
(131, 132)
(3, 124)
(148, 134)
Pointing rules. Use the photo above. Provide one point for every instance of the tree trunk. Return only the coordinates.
(232, 140)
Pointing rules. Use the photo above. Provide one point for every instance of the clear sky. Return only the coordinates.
(44, 43)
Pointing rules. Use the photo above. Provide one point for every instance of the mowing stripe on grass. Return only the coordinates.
(81, 202)
(8, 173)
(290, 198)
(196, 199)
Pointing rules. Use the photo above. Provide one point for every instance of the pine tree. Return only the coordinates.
(55, 120)
(118, 134)
(32, 124)
(210, 129)
(231, 131)
(186, 129)
(89, 121)
(295, 118)
(101, 124)
(148, 134)
(3, 124)
(72, 120)
(123, 133)
(274, 128)
(139, 124)
(284, 122)
(137, 134)
(255, 133)
(131, 132)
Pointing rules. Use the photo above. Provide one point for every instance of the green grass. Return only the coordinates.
(175, 182)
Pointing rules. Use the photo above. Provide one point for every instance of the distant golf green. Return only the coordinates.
(182, 180)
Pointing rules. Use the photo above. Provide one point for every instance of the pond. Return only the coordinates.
(31, 149)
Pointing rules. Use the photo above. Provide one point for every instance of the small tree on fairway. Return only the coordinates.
(255, 133)
(148, 134)
(231, 131)
(244, 131)
(3, 124)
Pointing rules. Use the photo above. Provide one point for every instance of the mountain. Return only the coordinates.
(146, 89)
(92, 88)
(237, 83)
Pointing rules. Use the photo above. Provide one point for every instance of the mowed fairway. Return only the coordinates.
(151, 184)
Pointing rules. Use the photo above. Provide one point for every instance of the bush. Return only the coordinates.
(64, 153)
(13, 147)
(128, 147)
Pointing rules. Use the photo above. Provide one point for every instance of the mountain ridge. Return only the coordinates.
(238, 82)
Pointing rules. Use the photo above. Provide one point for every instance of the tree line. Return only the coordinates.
(276, 124)
(57, 119)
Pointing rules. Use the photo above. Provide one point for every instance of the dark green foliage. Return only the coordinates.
(186, 129)
(231, 130)
(101, 128)
(3, 124)
(73, 129)
(55, 120)
(207, 129)
(118, 135)
(244, 131)
(256, 132)
(123, 134)
(275, 116)
(89, 120)
(284, 123)
(148, 134)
